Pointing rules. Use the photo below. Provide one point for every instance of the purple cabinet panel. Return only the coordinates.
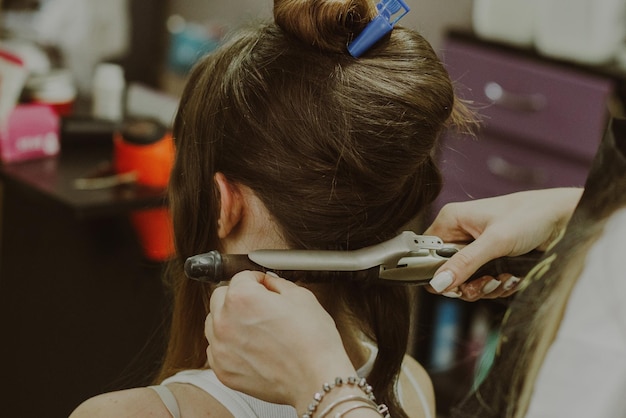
(542, 123)
(490, 165)
(542, 103)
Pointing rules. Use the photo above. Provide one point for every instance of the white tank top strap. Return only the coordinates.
(241, 405)
(238, 404)
(367, 368)
(168, 399)
(417, 388)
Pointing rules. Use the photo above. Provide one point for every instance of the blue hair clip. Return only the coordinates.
(379, 26)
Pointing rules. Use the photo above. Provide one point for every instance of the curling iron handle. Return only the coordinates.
(213, 267)
(518, 266)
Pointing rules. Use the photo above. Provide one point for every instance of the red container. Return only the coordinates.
(155, 233)
(146, 148)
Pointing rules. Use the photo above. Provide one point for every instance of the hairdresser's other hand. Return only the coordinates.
(272, 339)
(507, 225)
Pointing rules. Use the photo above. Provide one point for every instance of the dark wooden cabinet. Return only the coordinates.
(541, 122)
(82, 311)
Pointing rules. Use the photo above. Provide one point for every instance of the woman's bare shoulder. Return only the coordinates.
(124, 403)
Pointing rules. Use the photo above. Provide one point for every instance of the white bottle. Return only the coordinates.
(587, 31)
(108, 91)
(509, 21)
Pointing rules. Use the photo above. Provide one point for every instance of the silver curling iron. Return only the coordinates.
(407, 259)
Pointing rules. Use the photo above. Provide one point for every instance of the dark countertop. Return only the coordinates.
(50, 181)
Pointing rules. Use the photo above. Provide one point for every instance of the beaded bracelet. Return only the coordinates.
(353, 407)
(349, 398)
(327, 387)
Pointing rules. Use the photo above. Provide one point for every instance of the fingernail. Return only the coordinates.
(511, 282)
(454, 294)
(271, 273)
(490, 286)
(441, 281)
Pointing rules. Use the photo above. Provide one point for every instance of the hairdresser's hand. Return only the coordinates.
(273, 340)
(508, 225)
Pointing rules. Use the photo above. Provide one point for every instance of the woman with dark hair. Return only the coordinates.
(285, 140)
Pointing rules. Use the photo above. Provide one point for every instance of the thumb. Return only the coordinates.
(464, 263)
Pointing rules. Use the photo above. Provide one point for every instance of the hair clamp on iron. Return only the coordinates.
(389, 12)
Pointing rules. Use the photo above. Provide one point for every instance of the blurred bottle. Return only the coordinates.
(55, 88)
(189, 41)
(447, 335)
(108, 92)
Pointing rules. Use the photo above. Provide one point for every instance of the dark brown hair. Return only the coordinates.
(340, 151)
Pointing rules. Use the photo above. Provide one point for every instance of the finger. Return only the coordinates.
(510, 286)
(269, 280)
(209, 333)
(210, 336)
(208, 328)
(247, 277)
(493, 288)
(277, 284)
(209, 357)
(217, 299)
(447, 225)
(473, 291)
(451, 293)
(443, 224)
(464, 263)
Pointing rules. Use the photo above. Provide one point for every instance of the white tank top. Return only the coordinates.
(241, 405)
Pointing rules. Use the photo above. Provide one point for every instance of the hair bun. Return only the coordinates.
(327, 24)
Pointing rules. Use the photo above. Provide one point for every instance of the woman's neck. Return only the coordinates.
(353, 343)
(349, 330)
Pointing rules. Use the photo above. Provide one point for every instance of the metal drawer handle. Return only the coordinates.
(500, 167)
(519, 102)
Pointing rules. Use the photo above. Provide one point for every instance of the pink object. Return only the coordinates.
(31, 131)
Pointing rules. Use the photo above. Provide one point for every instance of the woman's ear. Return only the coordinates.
(231, 205)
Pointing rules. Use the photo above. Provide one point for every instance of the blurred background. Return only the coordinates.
(84, 229)
(156, 41)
